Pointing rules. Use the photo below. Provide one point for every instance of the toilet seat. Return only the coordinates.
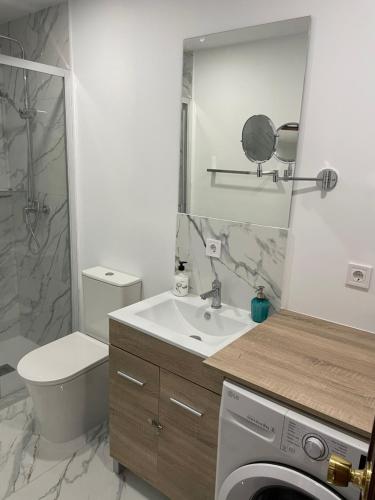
(62, 360)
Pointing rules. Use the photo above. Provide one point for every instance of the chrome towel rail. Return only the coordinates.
(326, 179)
(246, 172)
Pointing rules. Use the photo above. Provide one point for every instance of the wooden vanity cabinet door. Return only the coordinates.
(188, 442)
(133, 440)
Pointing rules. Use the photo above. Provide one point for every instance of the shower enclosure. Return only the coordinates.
(35, 257)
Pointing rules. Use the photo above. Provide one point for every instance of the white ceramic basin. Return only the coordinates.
(187, 322)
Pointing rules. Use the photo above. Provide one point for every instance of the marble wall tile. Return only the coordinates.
(36, 294)
(187, 76)
(44, 276)
(47, 130)
(9, 299)
(9, 303)
(45, 35)
(251, 256)
(4, 164)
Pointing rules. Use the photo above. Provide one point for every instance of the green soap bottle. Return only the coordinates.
(260, 306)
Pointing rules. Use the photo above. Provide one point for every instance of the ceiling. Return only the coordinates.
(11, 9)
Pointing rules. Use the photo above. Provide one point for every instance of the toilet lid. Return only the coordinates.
(62, 360)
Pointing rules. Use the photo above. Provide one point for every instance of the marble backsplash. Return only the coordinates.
(45, 35)
(187, 75)
(251, 256)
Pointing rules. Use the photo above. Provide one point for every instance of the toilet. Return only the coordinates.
(68, 378)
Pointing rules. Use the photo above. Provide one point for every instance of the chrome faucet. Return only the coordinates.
(215, 293)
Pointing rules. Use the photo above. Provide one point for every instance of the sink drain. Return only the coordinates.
(196, 337)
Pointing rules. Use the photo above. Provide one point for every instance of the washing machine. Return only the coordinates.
(267, 451)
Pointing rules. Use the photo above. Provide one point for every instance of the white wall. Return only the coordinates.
(127, 55)
(230, 84)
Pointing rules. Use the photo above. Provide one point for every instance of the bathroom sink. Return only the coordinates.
(187, 322)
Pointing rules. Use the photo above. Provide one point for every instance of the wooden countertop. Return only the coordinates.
(322, 368)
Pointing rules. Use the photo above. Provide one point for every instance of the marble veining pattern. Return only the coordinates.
(187, 76)
(43, 277)
(32, 468)
(251, 256)
(45, 35)
(24, 454)
(35, 298)
(9, 300)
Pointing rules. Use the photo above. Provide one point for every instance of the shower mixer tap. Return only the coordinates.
(37, 208)
(27, 114)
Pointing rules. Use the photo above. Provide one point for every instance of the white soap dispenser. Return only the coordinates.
(181, 280)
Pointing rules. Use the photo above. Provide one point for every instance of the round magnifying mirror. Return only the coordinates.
(286, 149)
(259, 138)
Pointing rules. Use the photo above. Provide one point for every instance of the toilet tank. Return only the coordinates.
(104, 291)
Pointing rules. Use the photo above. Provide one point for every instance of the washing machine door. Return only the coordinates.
(271, 482)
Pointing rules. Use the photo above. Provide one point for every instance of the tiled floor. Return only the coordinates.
(32, 468)
(11, 351)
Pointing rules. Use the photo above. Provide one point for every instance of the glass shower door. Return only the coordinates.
(35, 269)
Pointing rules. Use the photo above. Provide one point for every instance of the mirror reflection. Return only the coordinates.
(287, 141)
(241, 105)
(259, 138)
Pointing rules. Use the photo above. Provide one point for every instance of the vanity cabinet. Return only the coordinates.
(132, 408)
(188, 441)
(163, 426)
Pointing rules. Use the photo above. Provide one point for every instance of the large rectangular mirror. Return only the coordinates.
(240, 114)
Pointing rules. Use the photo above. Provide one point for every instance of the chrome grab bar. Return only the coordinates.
(186, 407)
(131, 379)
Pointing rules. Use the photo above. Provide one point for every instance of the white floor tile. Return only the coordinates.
(87, 475)
(32, 468)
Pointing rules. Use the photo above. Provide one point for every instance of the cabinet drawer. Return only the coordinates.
(133, 406)
(133, 382)
(187, 445)
(169, 357)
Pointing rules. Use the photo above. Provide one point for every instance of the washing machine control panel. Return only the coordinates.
(314, 447)
(299, 439)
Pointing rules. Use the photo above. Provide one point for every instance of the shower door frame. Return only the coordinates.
(68, 83)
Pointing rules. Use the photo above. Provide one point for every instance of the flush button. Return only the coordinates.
(314, 448)
(109, 274)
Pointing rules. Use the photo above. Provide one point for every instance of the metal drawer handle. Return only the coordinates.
(186, 407)
(131, 379)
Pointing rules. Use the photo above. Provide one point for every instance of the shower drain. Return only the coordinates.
(5, 369)
(196, 337)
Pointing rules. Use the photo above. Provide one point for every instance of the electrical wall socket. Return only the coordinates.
(359, 275)
(213, 248)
